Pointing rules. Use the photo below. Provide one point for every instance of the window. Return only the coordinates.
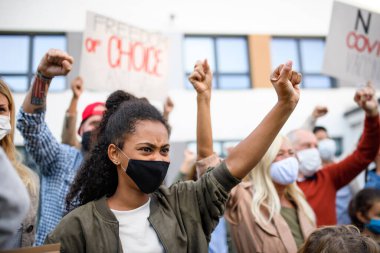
(339, 146)
(220, 147)
(228, 58)
(20, 55)
(307, 56)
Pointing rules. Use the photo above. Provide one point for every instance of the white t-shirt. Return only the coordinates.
(135, 232)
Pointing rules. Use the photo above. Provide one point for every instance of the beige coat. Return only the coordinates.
(251, 235)
(27, 231)
(29, 225)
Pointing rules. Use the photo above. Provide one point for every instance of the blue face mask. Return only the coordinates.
(374, 226)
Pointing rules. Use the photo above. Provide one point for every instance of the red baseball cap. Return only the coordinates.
(90, 110)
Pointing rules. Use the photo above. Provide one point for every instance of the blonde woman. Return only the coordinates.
(26, 233)
(267, 212)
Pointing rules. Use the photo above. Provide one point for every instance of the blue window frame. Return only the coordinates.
(307, 56)
(228, 57)
(20, 54)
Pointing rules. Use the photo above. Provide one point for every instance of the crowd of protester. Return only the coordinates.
(104, 192)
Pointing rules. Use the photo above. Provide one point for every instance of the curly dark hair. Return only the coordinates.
(362, 202)
(97, 176)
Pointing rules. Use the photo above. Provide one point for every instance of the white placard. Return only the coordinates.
(353, 45)
(116, 55)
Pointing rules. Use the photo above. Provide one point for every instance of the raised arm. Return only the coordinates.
(201, 79)
(212, 188)
(366, 99)
(245, 156)
(54, 63)
(69, 125)
(187, 169)
(318, 111)
(344, 171)
(38, 139)
(168, 108)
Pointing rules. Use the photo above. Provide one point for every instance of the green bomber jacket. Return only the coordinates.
(183, 216)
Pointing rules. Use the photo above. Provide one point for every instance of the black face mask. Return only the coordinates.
(86, 141)
(148, 175)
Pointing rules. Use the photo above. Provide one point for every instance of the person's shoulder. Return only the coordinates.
(245, 187)
(71, 224)
(329, 168)
(79, 212)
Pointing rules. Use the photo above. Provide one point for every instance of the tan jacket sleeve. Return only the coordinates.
(204, 164)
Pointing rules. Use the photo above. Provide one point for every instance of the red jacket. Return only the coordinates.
(320, 190)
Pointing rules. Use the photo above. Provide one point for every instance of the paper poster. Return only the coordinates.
(116, 55)
(353, 45)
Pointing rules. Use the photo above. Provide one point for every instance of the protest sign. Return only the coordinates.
(353, 45)
(116, 55)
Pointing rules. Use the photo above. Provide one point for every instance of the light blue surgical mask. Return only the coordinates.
(284, 172)
(374, 226)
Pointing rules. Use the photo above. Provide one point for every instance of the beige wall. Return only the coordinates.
(259, 54)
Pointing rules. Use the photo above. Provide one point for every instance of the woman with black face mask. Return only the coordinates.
(120, 204)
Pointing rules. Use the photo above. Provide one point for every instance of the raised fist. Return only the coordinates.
(55, 63)
(319, 111)
(366, 99)
(169, 105)
(286, 83)
(77, 87)
(201, 78)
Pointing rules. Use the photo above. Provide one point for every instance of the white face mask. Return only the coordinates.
(327, 149)
(310, 161)
(5, 126)
(284, 172)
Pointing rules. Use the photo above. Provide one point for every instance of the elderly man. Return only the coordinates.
(320, 183)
